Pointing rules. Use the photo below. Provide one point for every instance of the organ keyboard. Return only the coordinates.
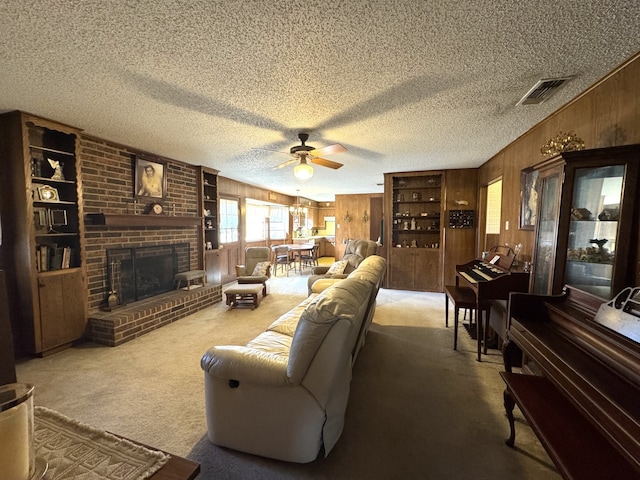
(489, 282)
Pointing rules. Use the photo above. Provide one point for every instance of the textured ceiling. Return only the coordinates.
(402, 84)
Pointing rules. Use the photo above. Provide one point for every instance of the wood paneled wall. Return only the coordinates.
(355, 205)
(459, 243)
(608, 114)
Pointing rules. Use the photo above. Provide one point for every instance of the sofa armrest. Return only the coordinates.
(320, 270)
(241, 270)
(246, 364)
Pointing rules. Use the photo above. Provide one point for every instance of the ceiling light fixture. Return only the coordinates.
(303, 170)
(297, 210)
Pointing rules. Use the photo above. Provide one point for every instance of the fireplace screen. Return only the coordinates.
(136, 273)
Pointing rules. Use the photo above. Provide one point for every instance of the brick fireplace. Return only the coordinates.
(107, 185)
(139, 318)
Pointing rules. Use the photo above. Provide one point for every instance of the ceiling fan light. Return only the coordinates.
(303, 170)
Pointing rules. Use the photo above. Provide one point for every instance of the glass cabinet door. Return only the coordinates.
(593, 229)
(547, 229)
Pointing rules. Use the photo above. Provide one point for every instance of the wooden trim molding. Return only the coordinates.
(123, 220)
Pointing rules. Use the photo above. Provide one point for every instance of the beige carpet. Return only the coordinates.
(417, 409)
(73, 450)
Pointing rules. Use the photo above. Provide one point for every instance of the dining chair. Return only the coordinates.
(309, 258)
(282, 259)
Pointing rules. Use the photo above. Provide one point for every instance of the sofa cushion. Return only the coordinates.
(288, 322)
(273, 343)
(370, 269)
(356, 251)
(344, 301)
(323, 283)
(261, 268)
(337, 267)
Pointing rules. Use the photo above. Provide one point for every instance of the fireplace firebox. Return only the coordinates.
(136, 273)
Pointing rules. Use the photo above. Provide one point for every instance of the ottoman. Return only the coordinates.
(188, 277)
(244, 295)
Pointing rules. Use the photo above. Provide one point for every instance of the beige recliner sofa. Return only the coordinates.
(284, 394)
(354, 253)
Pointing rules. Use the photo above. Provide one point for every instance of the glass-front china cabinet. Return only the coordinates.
(586, 233)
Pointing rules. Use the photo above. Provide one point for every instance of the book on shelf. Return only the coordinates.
(53, 257)
(56, 258)
(66, 257)
(43, 255)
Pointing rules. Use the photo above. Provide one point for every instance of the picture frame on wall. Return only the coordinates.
(528, 199)
(150, 178)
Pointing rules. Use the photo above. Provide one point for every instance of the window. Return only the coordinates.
(265, 221)
(279, 217)
(228, 220)
(494, 207)
(256, 224)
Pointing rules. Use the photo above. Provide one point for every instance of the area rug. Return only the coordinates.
(77, 451)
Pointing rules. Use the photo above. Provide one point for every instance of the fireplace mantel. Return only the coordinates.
(124, 220)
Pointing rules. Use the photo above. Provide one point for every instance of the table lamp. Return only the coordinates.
(17, 456)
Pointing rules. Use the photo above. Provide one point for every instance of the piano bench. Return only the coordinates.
(576, 446)
(465, 297)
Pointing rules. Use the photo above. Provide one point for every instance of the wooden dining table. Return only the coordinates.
(298, 249)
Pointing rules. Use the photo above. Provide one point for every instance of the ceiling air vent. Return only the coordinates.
(542, 90)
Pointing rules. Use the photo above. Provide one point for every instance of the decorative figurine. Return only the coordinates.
(57, 169)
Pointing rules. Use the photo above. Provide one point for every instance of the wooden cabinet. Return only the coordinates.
(413, 210)
(429, 226)
(586, 228)
(415, 269)
(326, 247)
(209, 244)
(62, 317)
(43, 232)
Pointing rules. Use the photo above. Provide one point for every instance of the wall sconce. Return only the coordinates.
(346, 218)
(365, 217)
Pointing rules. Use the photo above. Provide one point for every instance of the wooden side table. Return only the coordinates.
(177, 468)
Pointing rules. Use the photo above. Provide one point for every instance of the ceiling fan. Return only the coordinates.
(304, 153)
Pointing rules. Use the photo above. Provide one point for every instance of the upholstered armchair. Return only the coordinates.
(256, 268)
(354, 253)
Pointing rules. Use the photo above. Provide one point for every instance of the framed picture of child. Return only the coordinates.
(150, 179)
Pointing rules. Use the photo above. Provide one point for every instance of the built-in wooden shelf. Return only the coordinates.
(124, 220)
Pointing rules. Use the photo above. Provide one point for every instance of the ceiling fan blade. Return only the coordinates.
(328, 150)
(286, 164)
(271, 151)
(326, 163)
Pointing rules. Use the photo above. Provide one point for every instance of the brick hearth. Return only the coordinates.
(138, 318)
